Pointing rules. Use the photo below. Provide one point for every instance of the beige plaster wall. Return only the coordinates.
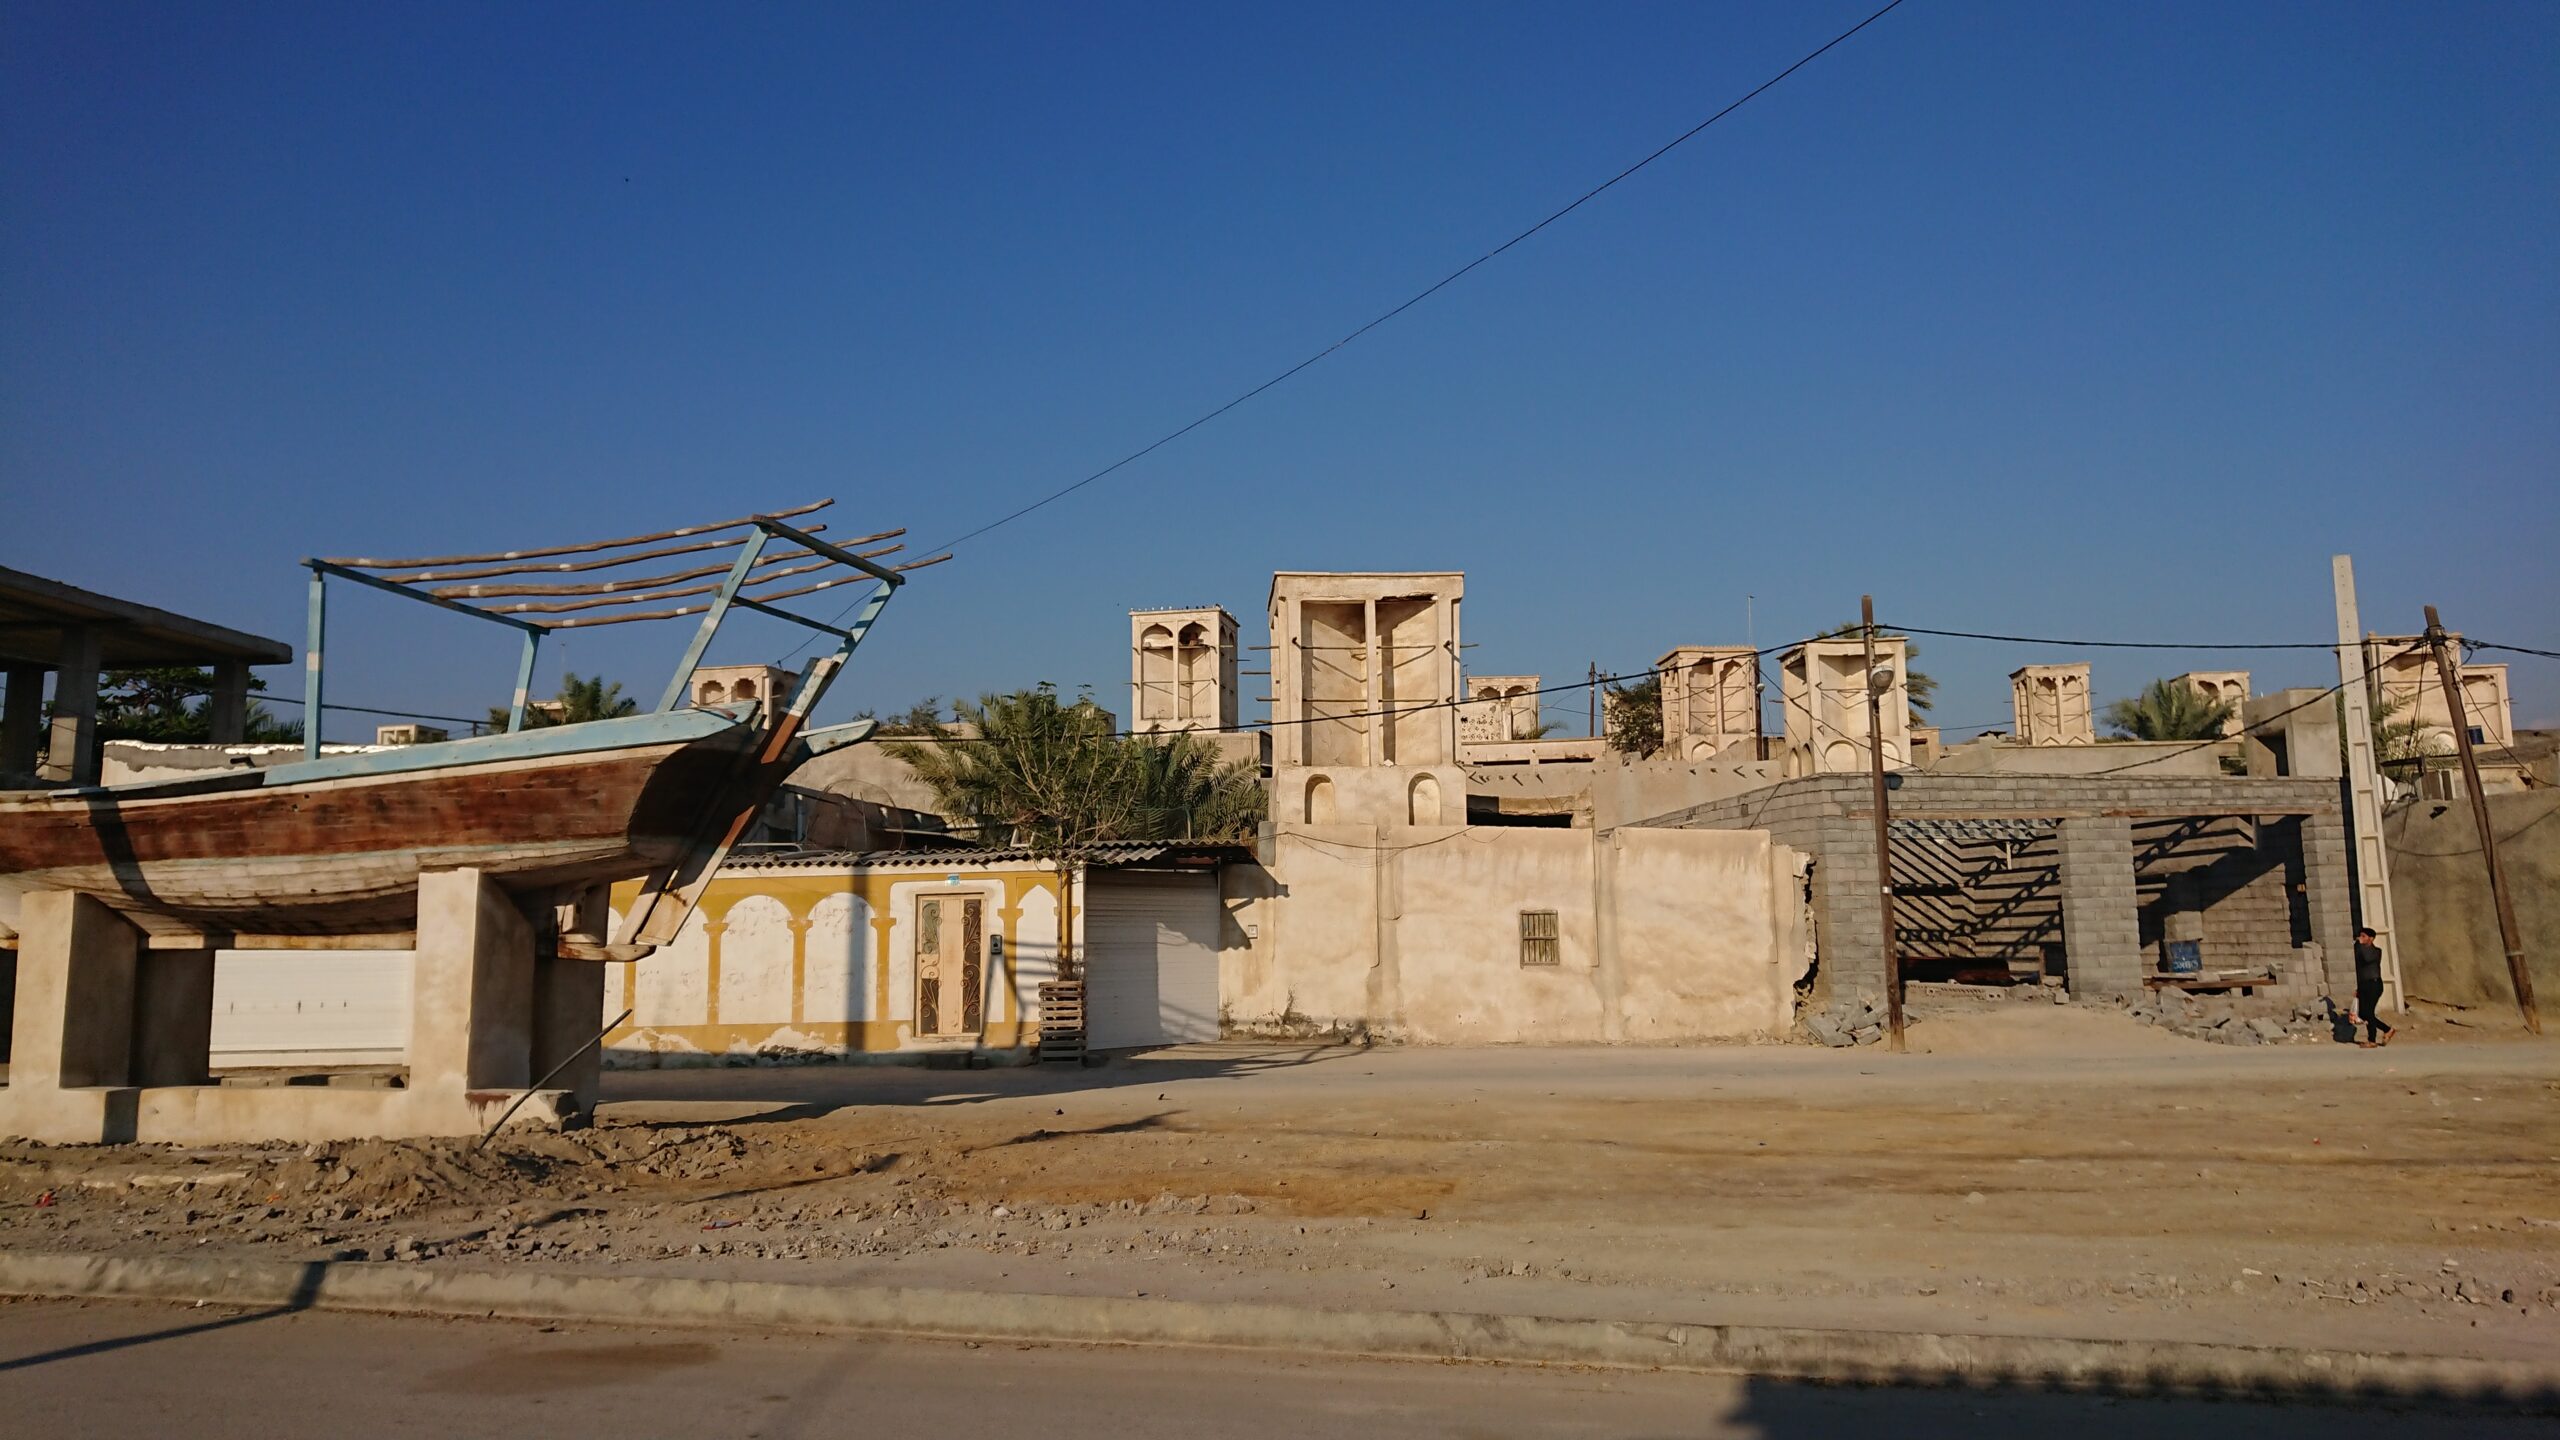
(1369, 794)
(1712, 931)
(1458, 898)
(1413, 932)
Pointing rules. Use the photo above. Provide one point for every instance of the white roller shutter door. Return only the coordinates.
(311, 1007)
(1151, 943)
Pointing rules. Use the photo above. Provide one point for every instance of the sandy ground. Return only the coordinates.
(2052, 1172)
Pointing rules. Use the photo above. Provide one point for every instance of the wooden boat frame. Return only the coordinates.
(732, 758)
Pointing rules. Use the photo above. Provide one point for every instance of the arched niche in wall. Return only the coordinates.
(1195, 663)
(1320, 805)
(1156, 666)
(1422, 801)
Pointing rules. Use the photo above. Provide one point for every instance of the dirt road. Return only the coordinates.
(101, 1369)
(2131, 1186)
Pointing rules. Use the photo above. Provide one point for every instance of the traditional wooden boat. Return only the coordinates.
(331, 847)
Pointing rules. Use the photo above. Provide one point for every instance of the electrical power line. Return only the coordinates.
(335, 707)
(1881, 627)
(1432, 289)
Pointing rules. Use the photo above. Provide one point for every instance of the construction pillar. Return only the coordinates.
(71, 752)
(471, 1007)
(173, 1017)
(228, 707)
(74, 1022)
(2364, 782)
(22, 721)
(2101, 929)
(568, 1005)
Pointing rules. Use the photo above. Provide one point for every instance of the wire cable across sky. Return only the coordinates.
(1434, 288)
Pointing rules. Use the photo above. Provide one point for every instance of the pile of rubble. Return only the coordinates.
(2220, 1019)
(1846, 1022)
(2234, 1022)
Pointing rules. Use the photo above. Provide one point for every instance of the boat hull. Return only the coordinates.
(336, 850)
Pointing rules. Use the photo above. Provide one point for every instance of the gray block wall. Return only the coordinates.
(1826, 817)
(2101, 930)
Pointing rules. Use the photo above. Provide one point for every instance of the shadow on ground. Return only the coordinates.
(768, 1094)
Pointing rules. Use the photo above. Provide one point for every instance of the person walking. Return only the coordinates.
(2369, 991)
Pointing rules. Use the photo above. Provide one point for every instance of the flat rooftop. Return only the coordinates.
(35, 613)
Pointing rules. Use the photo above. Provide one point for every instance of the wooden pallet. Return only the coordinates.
(1062, 1020)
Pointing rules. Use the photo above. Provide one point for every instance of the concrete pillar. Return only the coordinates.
(228, 708)
(1610, 981)
(568, 1009)
(2101, 932)
(1848, 921)
(22, 720)
(173, 1017)
(2328, 892)
(1374, 660)
(74, 1020)
(71, 752)
(568, 1004)
(471, 1007)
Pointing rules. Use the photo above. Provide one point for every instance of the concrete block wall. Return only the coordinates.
(2329, 891)
(2101, 932)
(1825, 816)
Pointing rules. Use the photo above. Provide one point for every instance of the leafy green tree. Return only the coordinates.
(2166, 710)
(1053, 777)
(578, 702)
(1188, 793)
(172, 704)
(917, 719)
(1631, 716)
(2395, 731)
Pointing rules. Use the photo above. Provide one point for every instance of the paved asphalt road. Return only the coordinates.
(98, 1369)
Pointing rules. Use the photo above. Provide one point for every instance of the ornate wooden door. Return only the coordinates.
(951, 969)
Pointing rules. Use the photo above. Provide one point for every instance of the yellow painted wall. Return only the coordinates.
(788, 962)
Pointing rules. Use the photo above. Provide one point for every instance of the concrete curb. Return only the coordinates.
(1836, 1356)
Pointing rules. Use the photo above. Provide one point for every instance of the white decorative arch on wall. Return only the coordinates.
(1320, 801)
(1422, 801)
(755, 962)
(837, 977)
(674, 984)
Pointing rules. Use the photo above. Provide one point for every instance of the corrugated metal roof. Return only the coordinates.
(1120, 852)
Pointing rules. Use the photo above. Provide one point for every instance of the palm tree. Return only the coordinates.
(1053, 777)
(1187, 793)
(2395, 739)
(2166, 710)
(578, 702)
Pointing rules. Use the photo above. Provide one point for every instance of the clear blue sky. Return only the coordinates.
(2090, 320)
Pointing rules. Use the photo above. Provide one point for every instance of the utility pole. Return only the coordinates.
(1593, 695)
(1884, 826)
(2507, 932)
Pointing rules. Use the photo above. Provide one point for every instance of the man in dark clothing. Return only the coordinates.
(2369, 990)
